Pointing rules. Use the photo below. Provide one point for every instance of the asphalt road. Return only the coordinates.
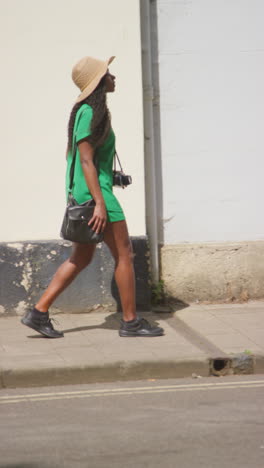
(191, 423)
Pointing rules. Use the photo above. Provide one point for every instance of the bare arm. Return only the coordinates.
(98, 221)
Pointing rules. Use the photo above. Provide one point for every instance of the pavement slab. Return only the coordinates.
(230, 327)
(92, 351)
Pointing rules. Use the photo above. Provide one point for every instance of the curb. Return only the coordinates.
(134, 370)
(259, 364)
(118, 371)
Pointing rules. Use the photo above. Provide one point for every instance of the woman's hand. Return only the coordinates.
(99, 219)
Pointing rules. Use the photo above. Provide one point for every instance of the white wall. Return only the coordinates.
(40, 42)
(211, 62)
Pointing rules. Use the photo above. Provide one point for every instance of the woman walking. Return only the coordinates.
(90, 126)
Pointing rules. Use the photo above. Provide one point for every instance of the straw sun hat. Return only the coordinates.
(87, 74)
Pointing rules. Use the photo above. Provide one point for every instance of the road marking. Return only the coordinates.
(201, 384)
(9, 399)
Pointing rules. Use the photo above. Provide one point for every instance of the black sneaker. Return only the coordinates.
(139, 327)
(41, 322)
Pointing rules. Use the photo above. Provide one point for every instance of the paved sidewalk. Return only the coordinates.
(199, 340)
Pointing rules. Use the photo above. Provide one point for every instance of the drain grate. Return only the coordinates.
(220, 366)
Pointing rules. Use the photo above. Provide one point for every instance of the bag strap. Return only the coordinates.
(117, 158)
(74, 153)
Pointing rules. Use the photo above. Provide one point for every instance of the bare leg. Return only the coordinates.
(81, 256)
(117, 239)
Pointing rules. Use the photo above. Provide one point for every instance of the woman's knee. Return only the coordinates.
(118, 241)
(82, 255)
(125, 254)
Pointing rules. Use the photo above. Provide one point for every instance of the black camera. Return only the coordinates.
(120, 179)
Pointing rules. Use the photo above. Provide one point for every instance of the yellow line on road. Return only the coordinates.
(117, 390)
(128, 391)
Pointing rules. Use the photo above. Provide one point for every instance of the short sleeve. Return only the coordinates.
(83, 124)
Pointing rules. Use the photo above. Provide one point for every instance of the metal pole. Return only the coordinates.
(149, 147)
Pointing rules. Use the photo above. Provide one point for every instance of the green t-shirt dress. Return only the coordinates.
(104, 156)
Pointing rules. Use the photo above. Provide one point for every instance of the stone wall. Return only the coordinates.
(214, 271)
(26, 269)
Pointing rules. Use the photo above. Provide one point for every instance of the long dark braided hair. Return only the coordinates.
(101, 121)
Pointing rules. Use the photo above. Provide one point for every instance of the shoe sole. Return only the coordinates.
(30, 325)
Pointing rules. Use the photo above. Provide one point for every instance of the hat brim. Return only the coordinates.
(95, 82)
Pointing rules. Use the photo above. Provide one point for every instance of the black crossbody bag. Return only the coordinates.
(75, 221)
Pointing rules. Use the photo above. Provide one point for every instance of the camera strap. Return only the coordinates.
(116, 158)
